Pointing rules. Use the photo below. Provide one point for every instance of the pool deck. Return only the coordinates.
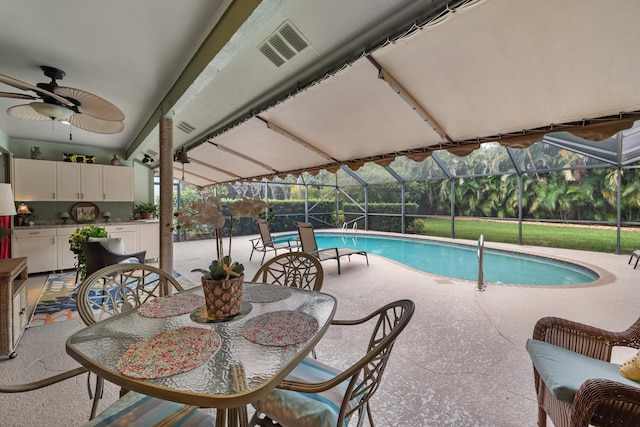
(460, 362)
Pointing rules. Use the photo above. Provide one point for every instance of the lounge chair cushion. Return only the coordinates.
(630, 369)
(135, 409)
(563, 371)
(292, 408)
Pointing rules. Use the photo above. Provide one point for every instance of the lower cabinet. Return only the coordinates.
(128, 234)
(47, 249)
(38, 245)
(66, 258)
(149, 239)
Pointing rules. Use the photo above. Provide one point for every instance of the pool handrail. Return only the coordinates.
(480, 287)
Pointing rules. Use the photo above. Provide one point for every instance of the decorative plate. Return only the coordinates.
(169, 352)
(265, 293)
(200, 314)
(171, 305)
(280, 328)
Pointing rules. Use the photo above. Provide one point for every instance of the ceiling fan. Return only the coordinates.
(76, 107)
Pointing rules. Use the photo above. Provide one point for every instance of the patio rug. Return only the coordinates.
(58, 300)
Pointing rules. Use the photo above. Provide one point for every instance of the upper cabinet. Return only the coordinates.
(34, 180)
(79, 181)
(44, 180)
(117, 183)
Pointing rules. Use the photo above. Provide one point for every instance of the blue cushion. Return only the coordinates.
(563, 371)
(291, 408)
(135, 409)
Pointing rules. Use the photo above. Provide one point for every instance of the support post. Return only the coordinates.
(166, 195)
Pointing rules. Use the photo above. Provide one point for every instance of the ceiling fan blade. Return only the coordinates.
(26, 111)
(16, 95)
(26, 86)
(90, 104)
(92, 124)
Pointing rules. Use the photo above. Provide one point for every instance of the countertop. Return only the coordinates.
(73, 224)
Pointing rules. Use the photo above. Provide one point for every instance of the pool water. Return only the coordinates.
(461, 261)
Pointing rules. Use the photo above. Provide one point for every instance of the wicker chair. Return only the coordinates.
(295, 269)
(315, 394)
(265, 242)
(575, 383)
(97, 256)
(310, 246)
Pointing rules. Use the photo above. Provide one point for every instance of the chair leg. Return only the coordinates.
(338, 259)
(637, 259)
(542, 417)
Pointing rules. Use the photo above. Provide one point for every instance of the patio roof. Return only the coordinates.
(486, 71)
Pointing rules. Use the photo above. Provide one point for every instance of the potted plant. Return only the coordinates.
(145, 210)
(82, 234)
(222, 281)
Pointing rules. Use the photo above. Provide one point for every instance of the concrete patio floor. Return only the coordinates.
(460, 362)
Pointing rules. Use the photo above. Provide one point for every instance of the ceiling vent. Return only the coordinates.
(283, 45)
(185, 127)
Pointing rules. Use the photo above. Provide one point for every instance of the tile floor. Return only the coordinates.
(460, 362)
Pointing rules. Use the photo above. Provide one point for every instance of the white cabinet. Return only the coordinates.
(149, 239)
(38, 245)
(44, 180)
(128, 233)
(79, 181)
(66, 258)
(34, 180)
(117, 183)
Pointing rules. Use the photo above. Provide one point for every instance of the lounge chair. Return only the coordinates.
(265, 242)
(310, 246)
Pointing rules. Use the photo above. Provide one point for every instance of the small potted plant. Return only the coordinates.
(145, 210)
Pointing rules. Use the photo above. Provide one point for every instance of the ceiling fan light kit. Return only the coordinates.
(67, 105)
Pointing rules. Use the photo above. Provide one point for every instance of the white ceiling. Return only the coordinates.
(492, 68)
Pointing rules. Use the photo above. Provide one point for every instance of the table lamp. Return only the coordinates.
(23, 211)
(64, 216)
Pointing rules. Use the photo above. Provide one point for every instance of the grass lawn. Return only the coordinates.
(588, 238)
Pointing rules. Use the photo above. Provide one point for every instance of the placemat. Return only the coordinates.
(280, 328)
(265, 293)
(169, 352)
(171, 305)
(200, 314)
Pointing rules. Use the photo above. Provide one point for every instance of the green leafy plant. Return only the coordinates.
(82, 234)
(142, 208)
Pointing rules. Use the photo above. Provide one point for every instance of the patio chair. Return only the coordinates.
(636, 255)
(265, 242)
(295, 269)
(575, 382)
(143, 283)
(114, 289)
(98, 255)
(316, 394)
(310, 246)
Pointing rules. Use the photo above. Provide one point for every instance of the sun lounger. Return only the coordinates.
(310, 246)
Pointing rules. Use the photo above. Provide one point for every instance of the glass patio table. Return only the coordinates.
(277, 327)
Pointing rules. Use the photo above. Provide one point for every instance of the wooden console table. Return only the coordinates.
(13, 304)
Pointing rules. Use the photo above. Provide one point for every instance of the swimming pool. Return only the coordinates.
(461, 261)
